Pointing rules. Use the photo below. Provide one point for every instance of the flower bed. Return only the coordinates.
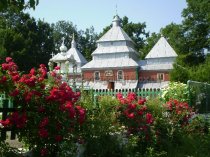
(50, 121)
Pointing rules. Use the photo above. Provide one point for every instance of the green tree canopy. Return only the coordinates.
(86, 40)
(28, 41)
(196, 24)
(17, 5)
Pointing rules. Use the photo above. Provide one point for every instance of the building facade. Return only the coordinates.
(115, 63)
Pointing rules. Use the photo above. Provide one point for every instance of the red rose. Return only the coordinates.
(58, 138)
(149, 118)
(8, 59)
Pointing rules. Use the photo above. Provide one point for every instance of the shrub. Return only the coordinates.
(176, 90)
(134, 115)
(47, 113)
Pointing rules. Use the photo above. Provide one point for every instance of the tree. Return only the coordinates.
(179, 73)
(201, 73)
(86, 40)
(64, 29)
(17, 5)
(174, 34)
(136, 31)
(196, 24)
(28, 41)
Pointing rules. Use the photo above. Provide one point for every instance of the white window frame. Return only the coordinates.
(158, 76)
(118, 75)
(98, 75)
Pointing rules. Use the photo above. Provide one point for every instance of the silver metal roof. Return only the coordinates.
(79, 58)
(108, 53)
(158, 66)
(161, 49)
(60, 57)
(116, 33)
(73, 51)
(110, 63)
(113, 49)
(163, 84)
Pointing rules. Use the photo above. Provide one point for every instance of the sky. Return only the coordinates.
(99, 13)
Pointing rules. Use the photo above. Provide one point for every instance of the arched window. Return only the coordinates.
(120, 75)
(96, 75)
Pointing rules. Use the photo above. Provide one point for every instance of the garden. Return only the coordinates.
(51, 119)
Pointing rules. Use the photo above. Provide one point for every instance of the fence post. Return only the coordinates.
(95, 100)
(188, 86)
(206, 93)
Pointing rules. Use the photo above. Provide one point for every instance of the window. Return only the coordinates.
(160, 76)
(97, 75)
(120, 75)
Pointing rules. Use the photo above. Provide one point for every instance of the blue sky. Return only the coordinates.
(99, 14)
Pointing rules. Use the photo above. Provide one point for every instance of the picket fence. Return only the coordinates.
(6, 107)
(140, 92)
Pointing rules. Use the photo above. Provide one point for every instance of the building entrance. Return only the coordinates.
(110, 85)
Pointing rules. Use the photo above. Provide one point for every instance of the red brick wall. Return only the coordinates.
(129, 74)
(152, 75)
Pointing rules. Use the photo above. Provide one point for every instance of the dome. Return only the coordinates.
(63, 48)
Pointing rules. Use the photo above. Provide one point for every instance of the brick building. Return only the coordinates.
(115, 63)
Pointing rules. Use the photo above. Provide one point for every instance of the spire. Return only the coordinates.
(73, 43)
(116, 21)
(116, 9)
(63, 48)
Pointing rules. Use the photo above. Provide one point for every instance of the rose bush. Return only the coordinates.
(47, 110)
(133, 114)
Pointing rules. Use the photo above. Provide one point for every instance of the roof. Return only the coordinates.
(153, 85)
(77, 55)
(79, 58)
(113, 49)
(164, 66)
(110, 63)
(59, 57)
(116, 33)
(161, 49)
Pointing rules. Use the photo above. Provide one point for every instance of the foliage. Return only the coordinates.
(46, 114)
(28, 41)
(174, 34)
(179, 73)
(138, 121)
(18, 5)
(100, 131)
(196, 24)
(86, 40)
(201, 72)
(176, 90)
(7, 151)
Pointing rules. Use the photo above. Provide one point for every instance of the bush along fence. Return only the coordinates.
(6, 107)
(199, 96)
